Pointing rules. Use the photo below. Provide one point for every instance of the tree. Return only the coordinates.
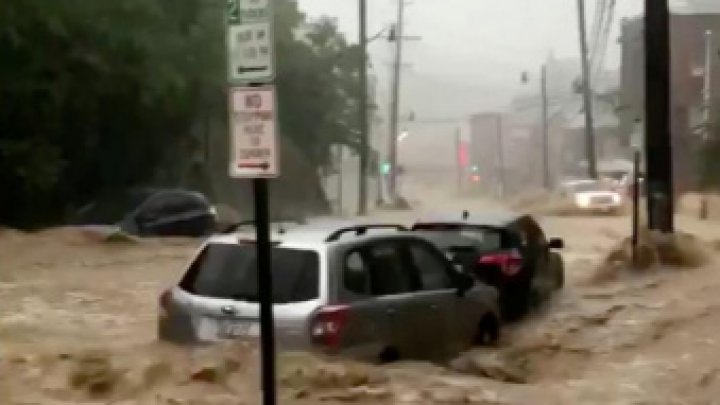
(318, 84)
(99, 95)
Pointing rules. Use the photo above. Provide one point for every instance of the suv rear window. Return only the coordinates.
(230, 271)
(448, 235)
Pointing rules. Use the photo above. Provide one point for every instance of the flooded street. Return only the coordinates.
(77, 325)
(500, 141)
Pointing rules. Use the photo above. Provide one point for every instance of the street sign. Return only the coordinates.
(254, 146)
(249, 34)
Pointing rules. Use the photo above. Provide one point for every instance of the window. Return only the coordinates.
(111, 208)
(432, 269)
(389, 274)
(167, 203)
(482, 238)
(356, 277)
(230, 271)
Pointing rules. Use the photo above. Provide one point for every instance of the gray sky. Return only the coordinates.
(481, 45)
(471, 54)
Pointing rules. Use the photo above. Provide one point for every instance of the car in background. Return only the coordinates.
(593, 195)
(506, 250)
(370, 291)
(151, 212)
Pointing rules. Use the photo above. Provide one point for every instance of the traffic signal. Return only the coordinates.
(475, 169)
(385, 168)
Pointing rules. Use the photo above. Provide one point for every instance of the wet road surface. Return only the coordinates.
(77, 325)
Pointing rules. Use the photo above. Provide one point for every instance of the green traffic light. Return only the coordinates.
(475, 169)
(385, 168)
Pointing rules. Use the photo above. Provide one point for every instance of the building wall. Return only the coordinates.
(687, 59)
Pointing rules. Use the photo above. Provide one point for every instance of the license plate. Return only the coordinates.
(235, 329)
(602, 200)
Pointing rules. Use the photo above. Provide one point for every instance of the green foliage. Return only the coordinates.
(103, 95)
(318, 85)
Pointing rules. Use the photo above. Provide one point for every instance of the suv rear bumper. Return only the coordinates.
(176, 329)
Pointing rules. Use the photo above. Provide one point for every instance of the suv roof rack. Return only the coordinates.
(361, 230)
(251, 222)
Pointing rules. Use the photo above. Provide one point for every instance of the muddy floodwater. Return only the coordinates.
(77, 325)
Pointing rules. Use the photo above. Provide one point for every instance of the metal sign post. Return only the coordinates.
(254, 147)
(635, 205)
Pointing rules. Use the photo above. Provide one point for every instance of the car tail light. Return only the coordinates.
(510, 263)
(328, 325)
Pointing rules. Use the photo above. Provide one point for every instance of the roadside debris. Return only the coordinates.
(501, 365)
(680, 250)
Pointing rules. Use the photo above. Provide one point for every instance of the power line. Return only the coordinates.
(590, 151)
(605, 39)
(597, 28)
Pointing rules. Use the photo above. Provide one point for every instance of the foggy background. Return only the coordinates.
(469, 59)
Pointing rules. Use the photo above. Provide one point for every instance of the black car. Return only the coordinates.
(506, 250)
(152, 212)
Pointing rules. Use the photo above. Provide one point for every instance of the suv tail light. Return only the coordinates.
(510, 263)
(327, 326)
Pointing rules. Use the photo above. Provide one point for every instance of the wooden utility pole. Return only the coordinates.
(458, 161)
(500, 156)
(340, 172)
(658, 142)
(590, 153)
(363, 110)
(545, 142)
(396, 35)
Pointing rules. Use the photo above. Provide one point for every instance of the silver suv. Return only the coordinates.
(374, 292)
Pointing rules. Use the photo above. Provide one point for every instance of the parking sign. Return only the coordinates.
(254, 147)
(249, 34)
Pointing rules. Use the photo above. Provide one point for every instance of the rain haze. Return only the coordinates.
(469, 58)
(471, 52)
(244, 202)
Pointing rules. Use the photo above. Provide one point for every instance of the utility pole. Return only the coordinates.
(545, 129)
(340, 171)
(658, 145)
(458, 161)
(500, 157)
(587, 95)
(363, 110)
(396, 35)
